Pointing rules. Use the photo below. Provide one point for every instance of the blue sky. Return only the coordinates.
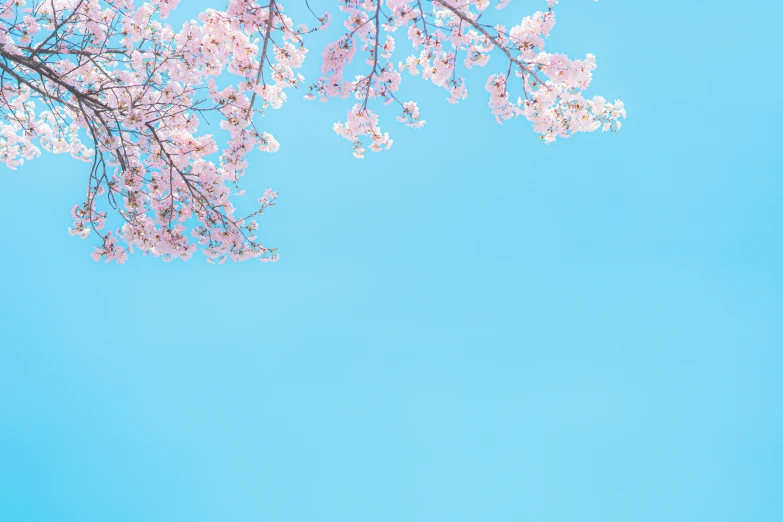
(472, 326)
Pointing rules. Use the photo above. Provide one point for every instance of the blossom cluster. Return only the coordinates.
(115, 74)
(449, 33)
(112, 84)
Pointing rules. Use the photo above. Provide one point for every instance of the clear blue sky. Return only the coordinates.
(508, 332)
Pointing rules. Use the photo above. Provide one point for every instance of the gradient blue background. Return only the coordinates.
(473, 326)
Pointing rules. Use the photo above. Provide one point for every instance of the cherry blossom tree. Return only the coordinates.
(111, 84)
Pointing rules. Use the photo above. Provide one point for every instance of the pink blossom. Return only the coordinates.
(119, 89)
(545, 88)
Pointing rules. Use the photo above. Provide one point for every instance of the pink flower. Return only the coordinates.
(142, 92)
